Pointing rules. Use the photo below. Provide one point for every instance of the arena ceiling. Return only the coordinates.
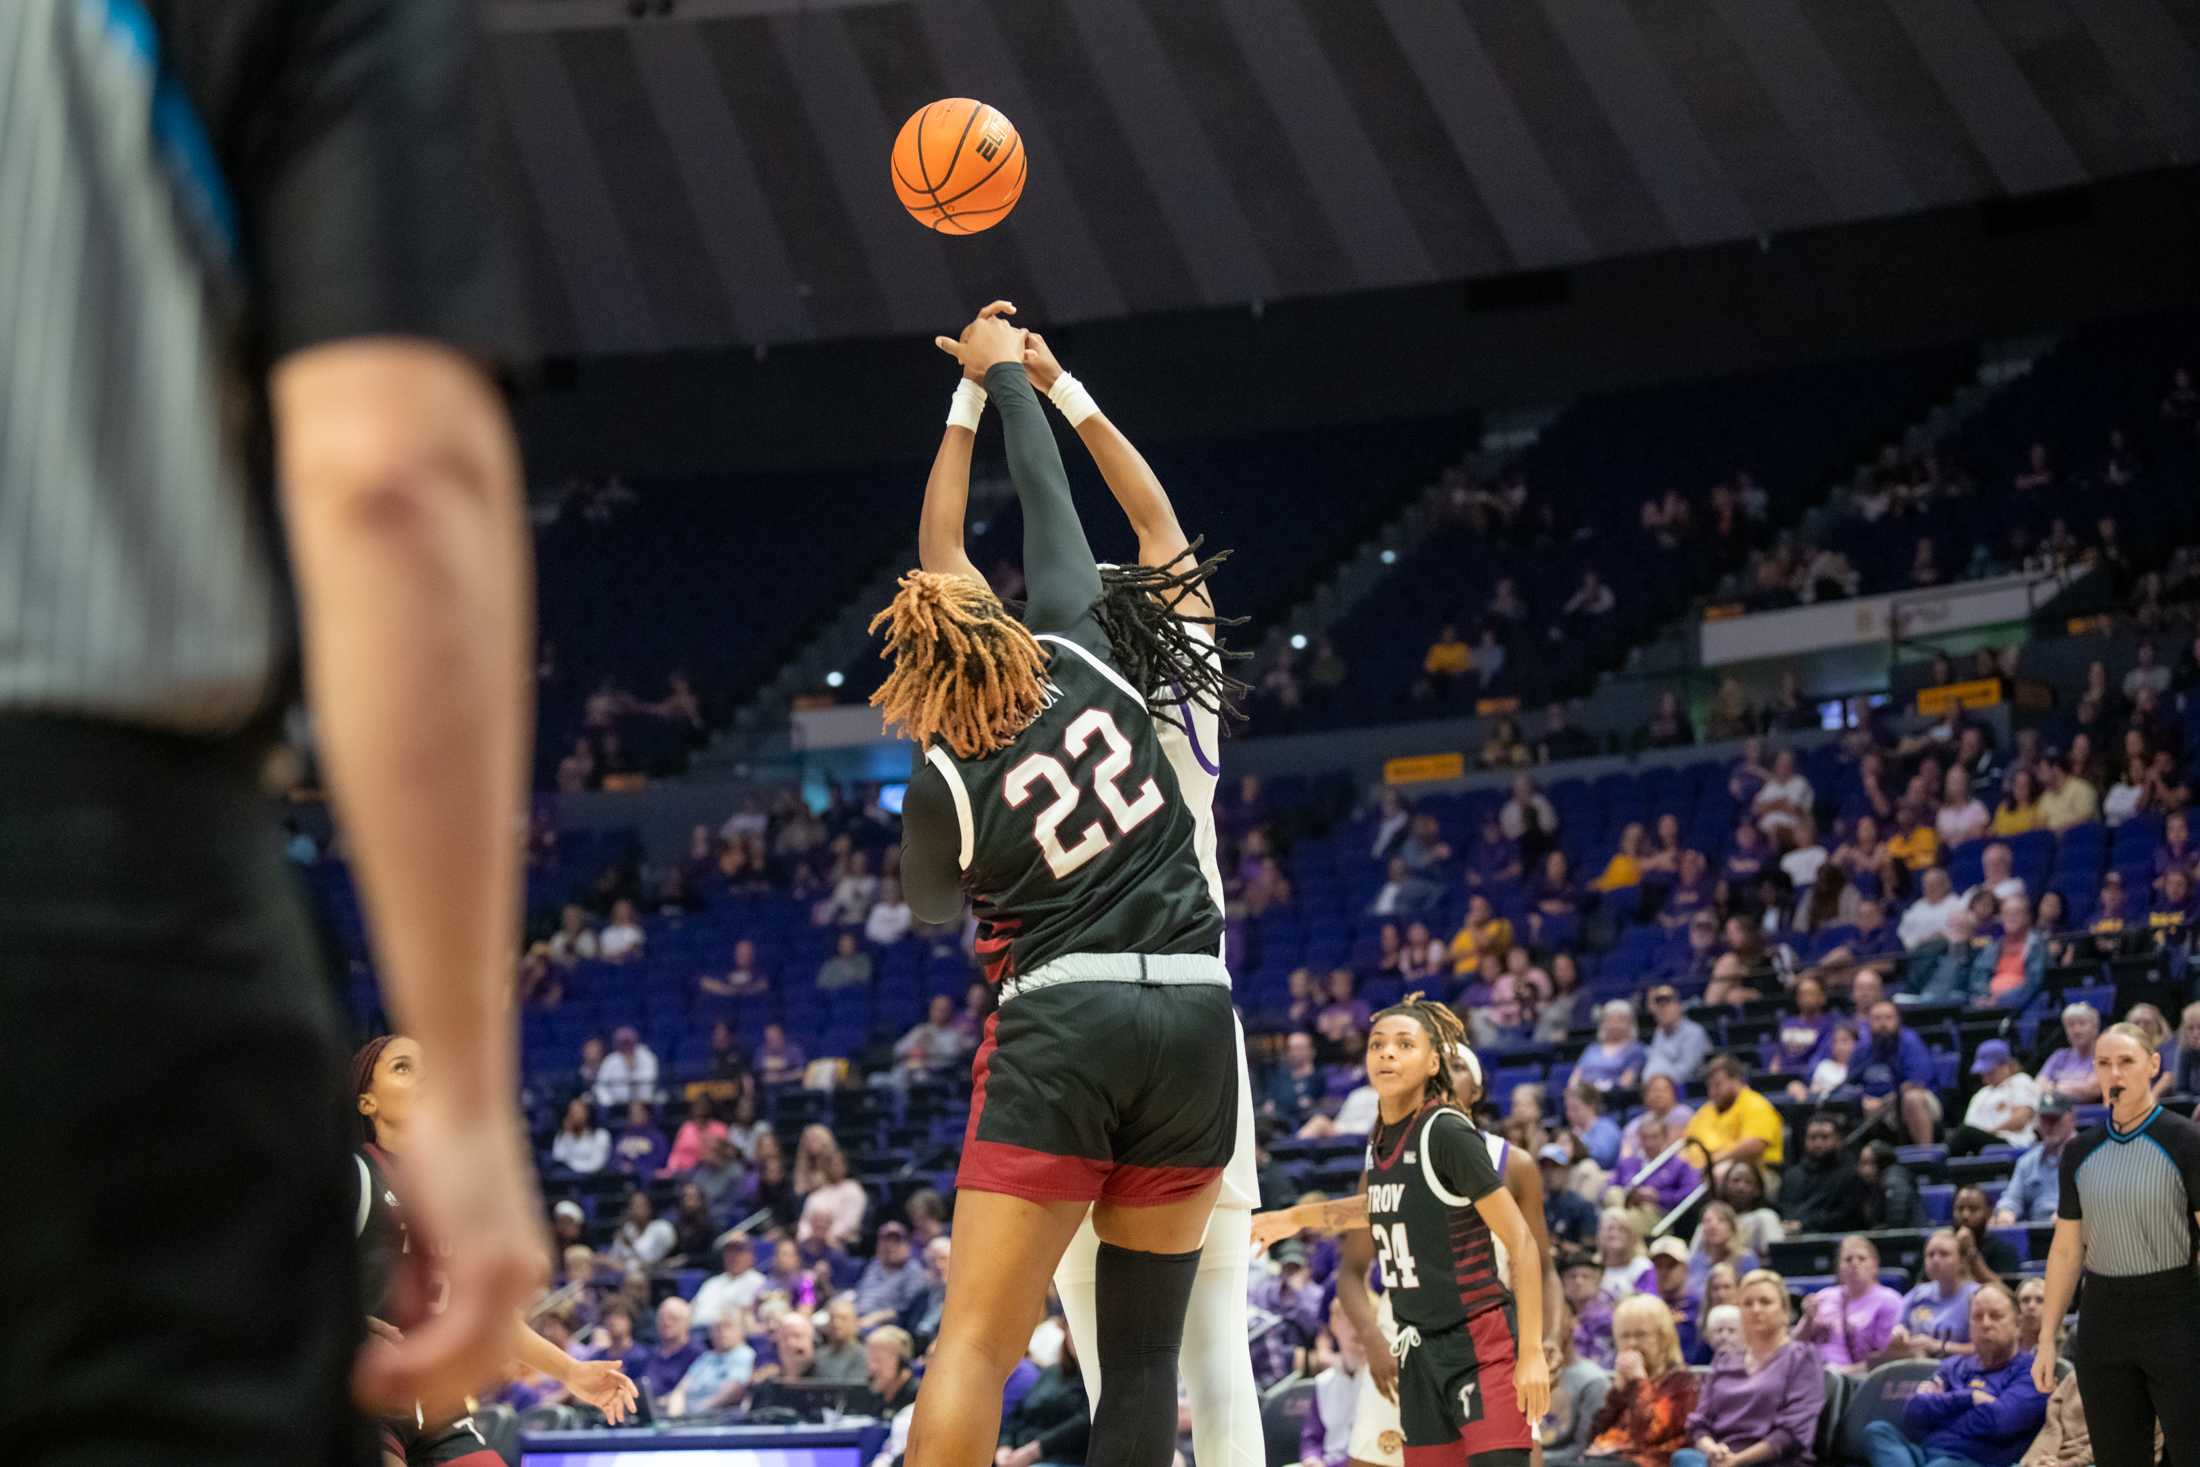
(716, 176)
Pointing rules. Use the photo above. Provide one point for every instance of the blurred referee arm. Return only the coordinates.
(401, 497)
(370, 222)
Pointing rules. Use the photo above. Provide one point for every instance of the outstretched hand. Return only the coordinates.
(977, 355)
(606, 1387)
(1270, 1228)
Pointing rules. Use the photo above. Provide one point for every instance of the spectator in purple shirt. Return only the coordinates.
(1800, 1041)
(663, 1366)
(1494, 858)
(641, 1147)
(1344, 1011)
(1761, 1402)
(1936, 1315)
(1894, 1073)
(893, 1281)
(1748, 858)
(1692, 890)
(1978, 1412)
(1674, 1178)
(1850, 1321)
(2069, 1070)
(1293, 1301)
(1615, 1060)
(779, 1060)
(2177, 851)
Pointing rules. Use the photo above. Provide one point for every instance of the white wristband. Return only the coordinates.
(967, 406)
(1070, 397)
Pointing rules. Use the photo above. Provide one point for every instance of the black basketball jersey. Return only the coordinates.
(394, 1278)
(1078, 837)
(1439, 1262)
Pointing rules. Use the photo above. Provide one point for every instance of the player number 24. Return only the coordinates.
(1395, 1255)
(1127, 813)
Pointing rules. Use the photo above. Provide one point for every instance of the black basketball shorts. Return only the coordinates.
(1104, 1090)
(1455, 1396)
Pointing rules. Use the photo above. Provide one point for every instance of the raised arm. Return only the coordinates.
(1059, 574)
(947, 497)
(1137, 490)
(1061, 579)
(947, 488)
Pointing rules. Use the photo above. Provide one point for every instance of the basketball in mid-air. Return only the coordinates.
(958, 166)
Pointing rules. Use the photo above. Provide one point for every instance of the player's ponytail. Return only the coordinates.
(1444, 1030)
(966, 673)
(1141, 612)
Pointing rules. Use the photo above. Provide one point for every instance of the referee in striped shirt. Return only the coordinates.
(2130, 1214)
(247, 244)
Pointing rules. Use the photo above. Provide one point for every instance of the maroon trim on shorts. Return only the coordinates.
(1018, 1171)
(1153, 1186)
(1502, 1427)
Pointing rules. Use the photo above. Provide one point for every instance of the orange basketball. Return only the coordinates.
(958, 166)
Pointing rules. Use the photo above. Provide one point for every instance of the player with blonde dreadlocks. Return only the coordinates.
(1162, 634)
(966, 673)
(1436, 1203)
(1046, 790)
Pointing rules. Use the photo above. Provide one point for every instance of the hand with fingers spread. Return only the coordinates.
(606, 1387)
(986, 342)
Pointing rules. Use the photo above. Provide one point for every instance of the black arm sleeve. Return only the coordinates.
(931, 837)
(1059, 573)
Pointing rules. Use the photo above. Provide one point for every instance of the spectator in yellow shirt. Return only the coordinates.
(1914, 843)
(1625, 867)
(1736, 1123)
(1448, 657)
(2069, 799)
(2019, 810)
(1484, 934)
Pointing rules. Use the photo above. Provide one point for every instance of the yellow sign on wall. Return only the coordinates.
(1422, 768)
(1984, 692)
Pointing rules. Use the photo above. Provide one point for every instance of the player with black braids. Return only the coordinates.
(1150, 630)
(1161, 633)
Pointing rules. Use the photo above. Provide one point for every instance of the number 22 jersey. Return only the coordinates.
(1078, 837)
(1439, 1263)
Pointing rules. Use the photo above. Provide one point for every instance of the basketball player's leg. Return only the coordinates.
(1148, 1262)
(1035, 1156)
(995, 1300)
(1217, 1367)
(1377, 1439)
(1456, 1394)
(1172, 1140)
